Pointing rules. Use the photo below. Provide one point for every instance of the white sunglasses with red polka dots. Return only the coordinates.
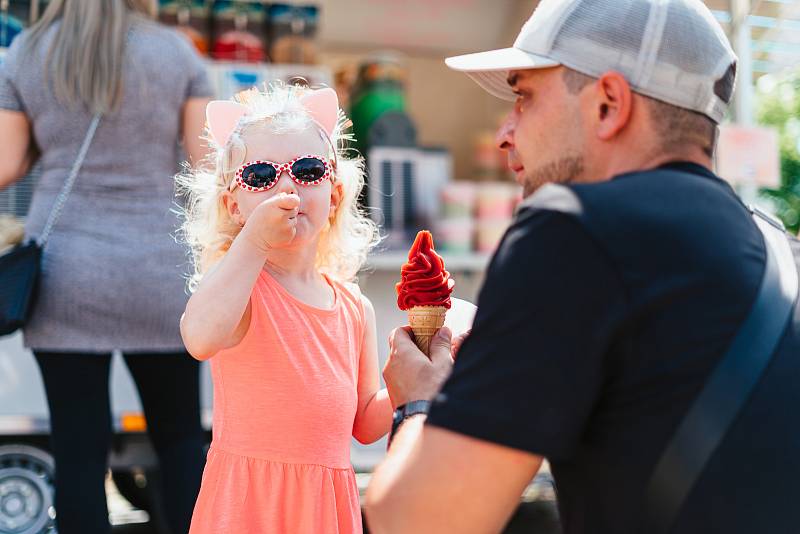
(260, 175)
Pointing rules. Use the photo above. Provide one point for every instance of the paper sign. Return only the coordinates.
(749, 155)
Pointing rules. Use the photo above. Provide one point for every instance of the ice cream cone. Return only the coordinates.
(425, 321)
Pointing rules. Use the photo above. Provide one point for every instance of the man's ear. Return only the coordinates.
(613, 104)
(232, 207)
(337, 195)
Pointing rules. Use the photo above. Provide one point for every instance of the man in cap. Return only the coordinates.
(621, 284)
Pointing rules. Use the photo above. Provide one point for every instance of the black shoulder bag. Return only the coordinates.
(729, 386)
(21, 266)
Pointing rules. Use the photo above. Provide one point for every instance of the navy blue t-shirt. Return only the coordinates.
(604, 310)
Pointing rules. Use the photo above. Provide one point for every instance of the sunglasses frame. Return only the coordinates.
(280, 168)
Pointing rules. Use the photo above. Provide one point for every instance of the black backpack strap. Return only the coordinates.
(729, 386)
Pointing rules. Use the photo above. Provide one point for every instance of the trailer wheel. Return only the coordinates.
(26, 490)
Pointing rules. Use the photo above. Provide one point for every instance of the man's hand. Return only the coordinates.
(409, 374)
(273, 223)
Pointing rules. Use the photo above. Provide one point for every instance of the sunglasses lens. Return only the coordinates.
(308, 169)
(259, 175)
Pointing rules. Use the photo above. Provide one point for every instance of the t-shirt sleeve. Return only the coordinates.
(531, 371)
(10, 98)
(199, 85)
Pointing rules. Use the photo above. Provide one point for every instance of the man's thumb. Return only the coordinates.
(440, 344)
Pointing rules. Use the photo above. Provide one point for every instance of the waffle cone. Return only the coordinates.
(425, 321)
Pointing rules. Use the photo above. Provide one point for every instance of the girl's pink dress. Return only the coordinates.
(285, 400)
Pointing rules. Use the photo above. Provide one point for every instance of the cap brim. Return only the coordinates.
(490, 69)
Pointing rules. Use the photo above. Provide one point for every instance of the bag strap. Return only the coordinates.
(55, 213)
(730, 384)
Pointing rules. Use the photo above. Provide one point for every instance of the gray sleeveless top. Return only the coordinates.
(114, 276)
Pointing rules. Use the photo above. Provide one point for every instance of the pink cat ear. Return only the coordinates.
(323, 105)
(222, 117)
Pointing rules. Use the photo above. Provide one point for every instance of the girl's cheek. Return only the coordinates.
(249, 202)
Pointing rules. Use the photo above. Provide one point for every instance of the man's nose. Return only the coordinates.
(504, 138)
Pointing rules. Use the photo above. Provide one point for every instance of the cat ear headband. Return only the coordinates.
(323, 105)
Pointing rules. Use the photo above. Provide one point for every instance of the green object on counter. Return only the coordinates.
(378, 89)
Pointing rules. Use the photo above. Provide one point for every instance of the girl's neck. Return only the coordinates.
(293, 263)
(295, 269)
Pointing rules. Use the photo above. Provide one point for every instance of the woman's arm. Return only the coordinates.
(192, 124)
(18, 152)
(374, 416)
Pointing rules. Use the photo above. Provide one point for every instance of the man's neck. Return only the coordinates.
(626, 162)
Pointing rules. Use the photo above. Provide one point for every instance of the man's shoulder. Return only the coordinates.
(670, 181)
(548, 228)
(553, 197)
(636, 199)
(614, 194)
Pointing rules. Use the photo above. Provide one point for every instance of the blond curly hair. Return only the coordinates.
(207, 227)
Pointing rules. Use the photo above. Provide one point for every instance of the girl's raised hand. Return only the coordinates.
(273, 223)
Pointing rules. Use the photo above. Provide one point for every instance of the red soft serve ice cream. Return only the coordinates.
(423, 279)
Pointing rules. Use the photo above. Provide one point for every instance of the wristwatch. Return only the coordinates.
(405, 411)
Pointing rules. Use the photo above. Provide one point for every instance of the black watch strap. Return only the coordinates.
(405, 411)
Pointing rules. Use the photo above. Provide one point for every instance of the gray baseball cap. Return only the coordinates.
(670, 50)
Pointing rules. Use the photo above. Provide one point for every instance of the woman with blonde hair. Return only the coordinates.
(112, 270)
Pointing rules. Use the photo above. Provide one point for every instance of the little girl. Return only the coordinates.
(277, 237)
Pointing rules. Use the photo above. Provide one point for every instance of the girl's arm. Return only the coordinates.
(218, 314)
(374, 416)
